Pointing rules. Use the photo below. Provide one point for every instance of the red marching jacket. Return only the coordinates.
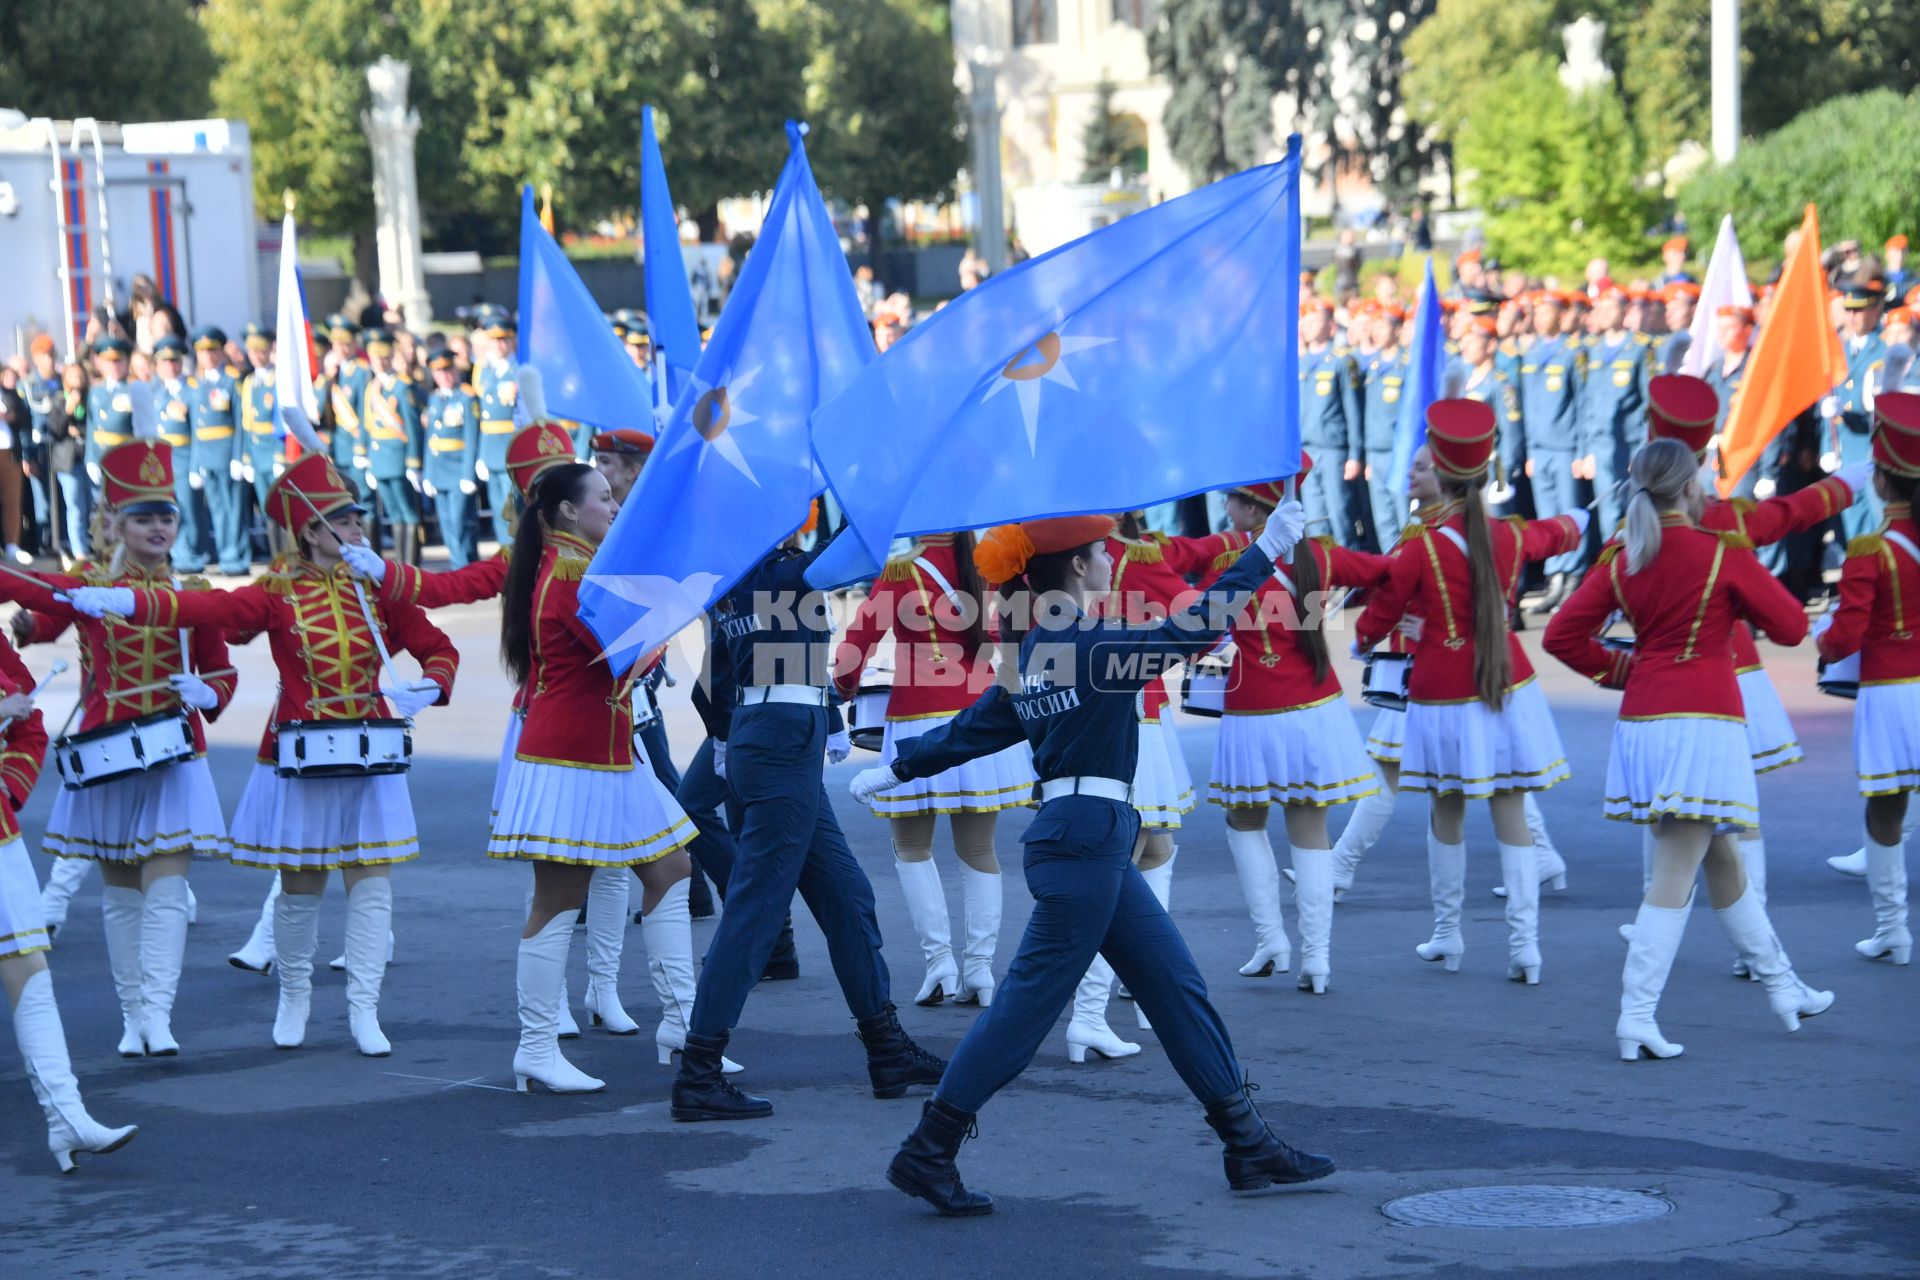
(578, 713)
(1880, 602)
(23, 745)
(1272, 670)
(1684, 605)
(329, 668)
(937, 671)
(1767, 522)
(124, 668)
(1432, 578)
(1160, 575)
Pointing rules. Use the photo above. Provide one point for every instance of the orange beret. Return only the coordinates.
(1897, 242)
(1003, 552)
(1742, 314)
(1676, 243)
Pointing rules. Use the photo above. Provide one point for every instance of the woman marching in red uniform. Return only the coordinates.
(933, 601)
(1680, 758)
(1876, 618)
(144, 828)
(575, 797)
(24, 940)
(1477, 727)
(1288, 739)
(329, 661)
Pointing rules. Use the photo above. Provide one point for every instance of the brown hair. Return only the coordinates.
(1492, 664)
(1306, 582)
(565, 482)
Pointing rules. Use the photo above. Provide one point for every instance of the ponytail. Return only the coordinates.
(972, 592)
(1307, 581)
(558, 484)
(1492, 663)
(1658, 476)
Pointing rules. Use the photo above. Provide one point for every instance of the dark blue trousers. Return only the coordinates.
(788, 839)
(712, 850)
(1088, 897)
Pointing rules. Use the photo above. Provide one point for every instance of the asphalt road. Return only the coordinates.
(1780, 1155)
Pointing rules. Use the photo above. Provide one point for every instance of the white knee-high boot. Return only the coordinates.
(1088, 1032)
(1887, 879)
(1646, 874)
(927, 906)
(1260, 884)
(1368, 819)
(163, 944)
(542, 964)
(1313, 886)
(64, 879)
(43, 1048)
(980, 890)
(1753, 857)
(1551, 868)
(369, 916)
(1160, 882)
(296, 932)
(1447, 876)
(257, 955)
(1855, 863)
(606, 940)
(121, 911)
(1650, 952)
(569, 1029)
(1519, 868)
(668, 933)
(1747, 927)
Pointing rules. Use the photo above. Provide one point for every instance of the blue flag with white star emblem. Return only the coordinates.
(732, 474)
(1153, 359)
(1426, 367)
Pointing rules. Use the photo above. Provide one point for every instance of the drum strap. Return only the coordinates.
(1903, 542)
(939, 580)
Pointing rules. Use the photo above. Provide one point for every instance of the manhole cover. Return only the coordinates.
(1522, 1207)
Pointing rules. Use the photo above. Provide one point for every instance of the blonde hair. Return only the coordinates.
(1658, 476)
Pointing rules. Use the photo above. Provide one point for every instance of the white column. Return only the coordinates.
(1725, 42)
(390, 127)
(983, 68)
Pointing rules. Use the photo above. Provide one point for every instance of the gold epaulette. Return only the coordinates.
(570, 568)
(1145, 553)
(1867, 544)
(897, 570)
(1158, 538)
(1413, 529)
(1225, 560)
(1607, 553)
(1742, 505)
(278, 579)
(194, 582)
(1738, 541)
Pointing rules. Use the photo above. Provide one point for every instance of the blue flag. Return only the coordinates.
(733, 472)
(1426, 368)
(585, 374)
(676, 333)
(1155, 358)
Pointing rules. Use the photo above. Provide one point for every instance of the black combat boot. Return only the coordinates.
(924, 1164)
(1255, 1158)
(894, 1061)
(700, 1092)
(784, 964)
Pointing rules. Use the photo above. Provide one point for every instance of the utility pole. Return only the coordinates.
(1725, 42)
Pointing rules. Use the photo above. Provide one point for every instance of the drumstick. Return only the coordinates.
(59, 666)
(164, 684)
(366, 613)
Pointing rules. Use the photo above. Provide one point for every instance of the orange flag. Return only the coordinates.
(1796, 360)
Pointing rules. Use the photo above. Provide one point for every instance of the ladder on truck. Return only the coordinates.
(78, 275)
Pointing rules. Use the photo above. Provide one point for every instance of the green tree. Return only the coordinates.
(1558, 179)
(881, 102)
(1397, 149)
(1225, 60)
(1108, 142)
(130, 60)
(1844, 156)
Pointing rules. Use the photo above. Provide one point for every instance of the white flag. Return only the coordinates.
(293, 367)
(1726, 286)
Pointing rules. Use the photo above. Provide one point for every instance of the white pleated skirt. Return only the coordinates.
(172, 809)
(1158, 793)
(1683, 767)
(1387, 735)
(1003, 780)
(23, 926)
(1469, 749)
(588, 817)
(509, 748)
(1770, 736)
(1886, 738)
(1182, 775)
(1311, 755)
(321, 824)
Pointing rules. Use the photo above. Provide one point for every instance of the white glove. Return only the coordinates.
(1829, 406)
(1283, 530)
(194, 691)
(869, 783)
(1829, 461)
(361, 462)
(1411, 627)
(238, 470)
(426, 487)
(1764, 489)
(93, 472)
(1856, 476)
(469, 488)
(195, 479)
(246, 472)
(98, 602)
(1581, 518)
(413, 478)
(719, 759)
(839, 747)
(365, 561)
(480, 470)
(411, 697)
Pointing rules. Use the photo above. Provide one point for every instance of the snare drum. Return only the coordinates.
(123, 748)
(1384, 684)
(867, 718)
(1203, 690)
(1841, 679)
(342, 748)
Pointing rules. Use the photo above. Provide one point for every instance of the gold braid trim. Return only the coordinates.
(569, 568)
(1608, 552)
(897, 570)
(1738, 541)
(1145, 553)
(1867, 544)
(1226, 559)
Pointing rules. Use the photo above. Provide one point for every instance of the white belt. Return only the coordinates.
(1105, 788)
(804, 694)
